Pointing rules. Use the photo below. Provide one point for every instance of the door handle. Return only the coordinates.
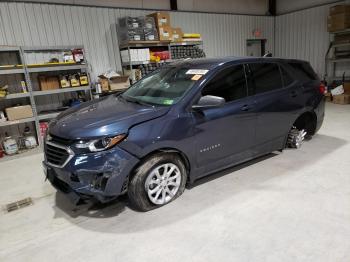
(245, 108)
(293, 94)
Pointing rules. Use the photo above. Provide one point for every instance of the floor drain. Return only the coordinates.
(19, 204)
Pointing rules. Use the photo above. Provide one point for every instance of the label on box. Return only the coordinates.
(197, 72)
(137, 37)
(166, 34)
(176, 36)
(135, 25)
(162, 21)
(151, 37)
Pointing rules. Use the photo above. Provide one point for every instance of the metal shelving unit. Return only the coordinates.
(16, 122)
(18, 95)
(51, 68)
(28, 69)
(149, 44)
(61, 90)
(48, 115)
(51, 48)
(334, 56)
(11, 71)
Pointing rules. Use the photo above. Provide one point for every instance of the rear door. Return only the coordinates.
(277, 100)
(225, 135)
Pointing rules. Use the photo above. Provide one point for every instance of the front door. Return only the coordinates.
(225, 135)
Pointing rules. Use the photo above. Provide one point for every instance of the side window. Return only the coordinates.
(265, 77)
(287, 79)
(229, 83)
(303, 71)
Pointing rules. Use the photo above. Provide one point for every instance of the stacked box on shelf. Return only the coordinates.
(339, 18)
(177, 34)
(137, 29)
(162, 22)
(131, 29)
(150, 29)
(136, 55)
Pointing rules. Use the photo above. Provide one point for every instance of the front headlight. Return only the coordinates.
(100, 144)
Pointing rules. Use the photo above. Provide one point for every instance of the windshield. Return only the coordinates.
(165, 87)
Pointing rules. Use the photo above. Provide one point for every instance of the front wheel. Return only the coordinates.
(159, 180)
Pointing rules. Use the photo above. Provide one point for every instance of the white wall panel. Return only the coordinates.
(95, 28)
(258, 7)
(284, 6)
(303, 35)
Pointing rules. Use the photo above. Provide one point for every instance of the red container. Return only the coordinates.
(1, 153)
(78, 55)
(43, 128)
(164, 55)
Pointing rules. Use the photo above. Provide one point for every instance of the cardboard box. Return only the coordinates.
(119, 83)
(339, 19)
(140, 54)
(48, 82)
(177, 34)
(328, 97)
(346, 87)
(165, 33)
(19, 112)
(338, 9)
(161, 19)
(104, 83)
(341, 99)
(338, 22)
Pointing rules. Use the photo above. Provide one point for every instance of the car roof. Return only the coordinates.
(211, 63)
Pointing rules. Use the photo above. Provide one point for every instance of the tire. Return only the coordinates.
(146, 180)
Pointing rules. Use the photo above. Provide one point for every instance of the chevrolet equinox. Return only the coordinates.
(180, 123)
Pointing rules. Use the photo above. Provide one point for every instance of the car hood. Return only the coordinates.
(108, 116)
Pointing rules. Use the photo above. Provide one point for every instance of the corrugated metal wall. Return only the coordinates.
(303, 35)
(95, 28)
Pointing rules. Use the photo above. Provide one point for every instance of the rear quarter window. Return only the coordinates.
(303, 71)
(287, 78)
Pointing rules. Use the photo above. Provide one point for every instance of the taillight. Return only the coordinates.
(322, 88)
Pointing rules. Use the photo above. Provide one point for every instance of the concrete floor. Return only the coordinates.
(293, 206)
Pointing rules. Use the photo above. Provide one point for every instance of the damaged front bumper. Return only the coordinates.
(102, 175)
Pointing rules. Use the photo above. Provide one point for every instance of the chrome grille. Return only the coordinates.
(60, 140)
(57, 155)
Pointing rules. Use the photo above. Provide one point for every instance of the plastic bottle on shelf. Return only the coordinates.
(10, 145)
(29, 139)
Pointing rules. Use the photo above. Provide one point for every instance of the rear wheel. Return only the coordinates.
(159, 180)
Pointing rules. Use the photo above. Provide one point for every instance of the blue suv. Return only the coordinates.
(180, 123)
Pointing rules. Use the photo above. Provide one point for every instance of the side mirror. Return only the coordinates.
(209, 102)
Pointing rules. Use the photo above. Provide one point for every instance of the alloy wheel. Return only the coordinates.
(163, 183)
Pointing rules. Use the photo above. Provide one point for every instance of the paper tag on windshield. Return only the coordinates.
(196, 77)
(168, 102)
(197, 72)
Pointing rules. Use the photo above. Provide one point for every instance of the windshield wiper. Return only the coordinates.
(136, 101)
